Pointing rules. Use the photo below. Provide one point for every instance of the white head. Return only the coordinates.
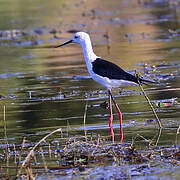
(81, 38)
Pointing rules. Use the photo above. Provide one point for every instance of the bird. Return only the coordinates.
(106, 73)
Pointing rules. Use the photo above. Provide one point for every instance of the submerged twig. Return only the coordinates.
(134, 139)
(85, 115)
(149, 102)
(20, 154)
(44, 161)
(177, 133)
(5, 130)
(6, 138)
(159, 135)
(68, 127)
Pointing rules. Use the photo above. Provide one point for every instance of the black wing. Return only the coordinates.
(112, 71)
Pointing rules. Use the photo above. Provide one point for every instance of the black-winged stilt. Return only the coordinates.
(105, 73)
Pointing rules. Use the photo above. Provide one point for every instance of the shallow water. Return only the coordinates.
(44, 88)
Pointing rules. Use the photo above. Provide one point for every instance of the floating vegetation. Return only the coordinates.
(167, 103)
(79, 156)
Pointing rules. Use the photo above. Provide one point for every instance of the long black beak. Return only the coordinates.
(63, 44)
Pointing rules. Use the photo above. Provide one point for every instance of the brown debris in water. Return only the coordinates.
(82, 155)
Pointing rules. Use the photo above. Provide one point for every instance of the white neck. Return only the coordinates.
(89, 55)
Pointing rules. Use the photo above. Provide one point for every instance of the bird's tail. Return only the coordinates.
(145, 81)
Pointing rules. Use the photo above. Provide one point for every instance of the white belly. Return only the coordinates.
(110, 83)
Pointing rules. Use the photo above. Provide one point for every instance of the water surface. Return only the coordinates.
(44, 88)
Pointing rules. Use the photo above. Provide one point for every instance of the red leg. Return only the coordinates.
(111, 117)
(120, 118)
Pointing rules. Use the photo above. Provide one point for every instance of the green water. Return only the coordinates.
(45, 88)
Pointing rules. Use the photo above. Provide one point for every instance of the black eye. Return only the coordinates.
(75, 37)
